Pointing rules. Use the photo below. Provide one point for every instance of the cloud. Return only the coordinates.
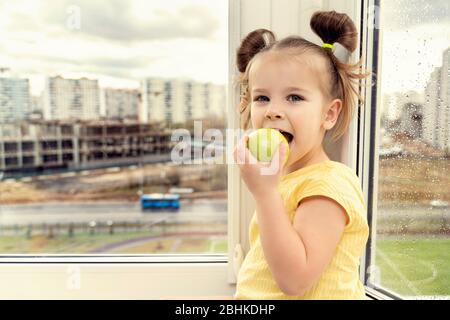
(414, 35)
(125, 21)
(118, 63)
(405, 14)
(409, 56)
(53, 65)
(117, 38)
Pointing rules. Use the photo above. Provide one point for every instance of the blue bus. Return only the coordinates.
(160, 201)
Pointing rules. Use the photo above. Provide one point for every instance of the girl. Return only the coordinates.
(309, 229)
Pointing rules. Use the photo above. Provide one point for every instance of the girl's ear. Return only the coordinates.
(332, 114)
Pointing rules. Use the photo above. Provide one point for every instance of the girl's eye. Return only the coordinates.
(295, 98)
(261, 98)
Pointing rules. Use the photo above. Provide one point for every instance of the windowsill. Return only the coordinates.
(114, 258)
(100, 278)
(373, 294)
(18, 268)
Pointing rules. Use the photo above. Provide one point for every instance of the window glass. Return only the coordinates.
(411, 241)
(93, 97)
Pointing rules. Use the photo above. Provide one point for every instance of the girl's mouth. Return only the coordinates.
(289, 136)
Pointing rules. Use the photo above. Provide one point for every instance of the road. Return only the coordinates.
(413, 212)
(199, 210)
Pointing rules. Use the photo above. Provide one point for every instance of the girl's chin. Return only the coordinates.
(295, 153)
(291, 149)
(292, 146)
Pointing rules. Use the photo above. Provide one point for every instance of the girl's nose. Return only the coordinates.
(274, 113)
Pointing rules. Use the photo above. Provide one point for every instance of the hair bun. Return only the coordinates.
(253, 43)
(332, 27)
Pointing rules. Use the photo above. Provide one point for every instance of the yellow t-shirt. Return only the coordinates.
(340, 280)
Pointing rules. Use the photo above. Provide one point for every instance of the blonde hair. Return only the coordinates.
(343, 78)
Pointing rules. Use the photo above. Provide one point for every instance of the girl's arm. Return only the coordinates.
(297, 254)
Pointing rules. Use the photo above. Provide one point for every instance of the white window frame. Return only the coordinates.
(369, 147)
(159, 276)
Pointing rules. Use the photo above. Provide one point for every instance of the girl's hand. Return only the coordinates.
(259, 177)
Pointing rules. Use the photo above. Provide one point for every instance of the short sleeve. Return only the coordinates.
(329, 188)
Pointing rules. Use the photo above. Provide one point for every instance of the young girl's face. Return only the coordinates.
(286, 94)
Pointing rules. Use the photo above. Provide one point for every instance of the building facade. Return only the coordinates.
(436, 122)
(14, 99)
(66, 99)
(178, 100)
(431, 108)
(36, 146)
(444, 119)
(120, 103)
(411, 120)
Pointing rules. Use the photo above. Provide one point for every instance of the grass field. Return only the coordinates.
(81, 243)
(135, 242)
(414, 267)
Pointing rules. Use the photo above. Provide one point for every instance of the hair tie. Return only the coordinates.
(327, 46)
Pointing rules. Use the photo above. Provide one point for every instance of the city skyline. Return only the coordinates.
(173, 100)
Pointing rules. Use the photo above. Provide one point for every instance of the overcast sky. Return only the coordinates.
(120, 42)
(414, 35)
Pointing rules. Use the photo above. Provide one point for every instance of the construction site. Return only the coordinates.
(43, 146)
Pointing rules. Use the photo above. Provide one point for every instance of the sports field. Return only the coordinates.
(414, 267)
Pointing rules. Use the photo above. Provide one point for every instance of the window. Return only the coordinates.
(409, 151)
(117, 277)
(95, 97)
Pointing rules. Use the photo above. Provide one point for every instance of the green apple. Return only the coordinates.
(263, 143)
